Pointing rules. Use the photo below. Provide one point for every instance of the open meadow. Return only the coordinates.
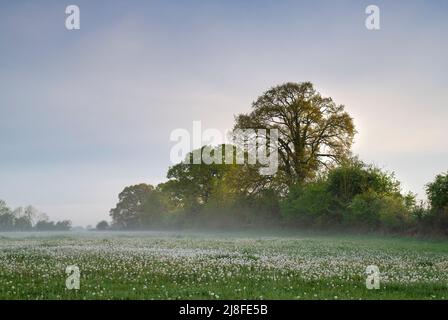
(237, 265)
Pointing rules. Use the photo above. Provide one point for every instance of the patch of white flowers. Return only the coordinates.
(135, 260)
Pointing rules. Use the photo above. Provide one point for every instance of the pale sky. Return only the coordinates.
(85, 113)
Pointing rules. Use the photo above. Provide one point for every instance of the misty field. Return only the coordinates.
(168, 265)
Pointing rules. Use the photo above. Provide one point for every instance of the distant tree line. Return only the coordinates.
(28, 219)
(319, 183)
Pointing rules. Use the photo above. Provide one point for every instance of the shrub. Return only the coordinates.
(364, 210)
(310, 204)
(437, 192)
(394, 216)
(355, 177)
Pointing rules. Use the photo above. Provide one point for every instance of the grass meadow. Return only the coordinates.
(234, 265)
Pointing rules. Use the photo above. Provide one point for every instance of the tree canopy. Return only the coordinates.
(314, 132)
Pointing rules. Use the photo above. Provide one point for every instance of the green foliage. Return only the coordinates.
(371, 210)
(193, 183)
(139, 206)
(102, 225)
(364, 210)
(355, 177)
(351, 195)
(347, 181)
(267, 204)
(394, 215)
(310, 204)
(437, 192)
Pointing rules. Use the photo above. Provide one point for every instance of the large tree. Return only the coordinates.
(191, 185)
(314, 132)
(218, 188)
(127, 212)
(437, 192)
(139, 206)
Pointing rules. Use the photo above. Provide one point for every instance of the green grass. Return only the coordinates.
(159, 265)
